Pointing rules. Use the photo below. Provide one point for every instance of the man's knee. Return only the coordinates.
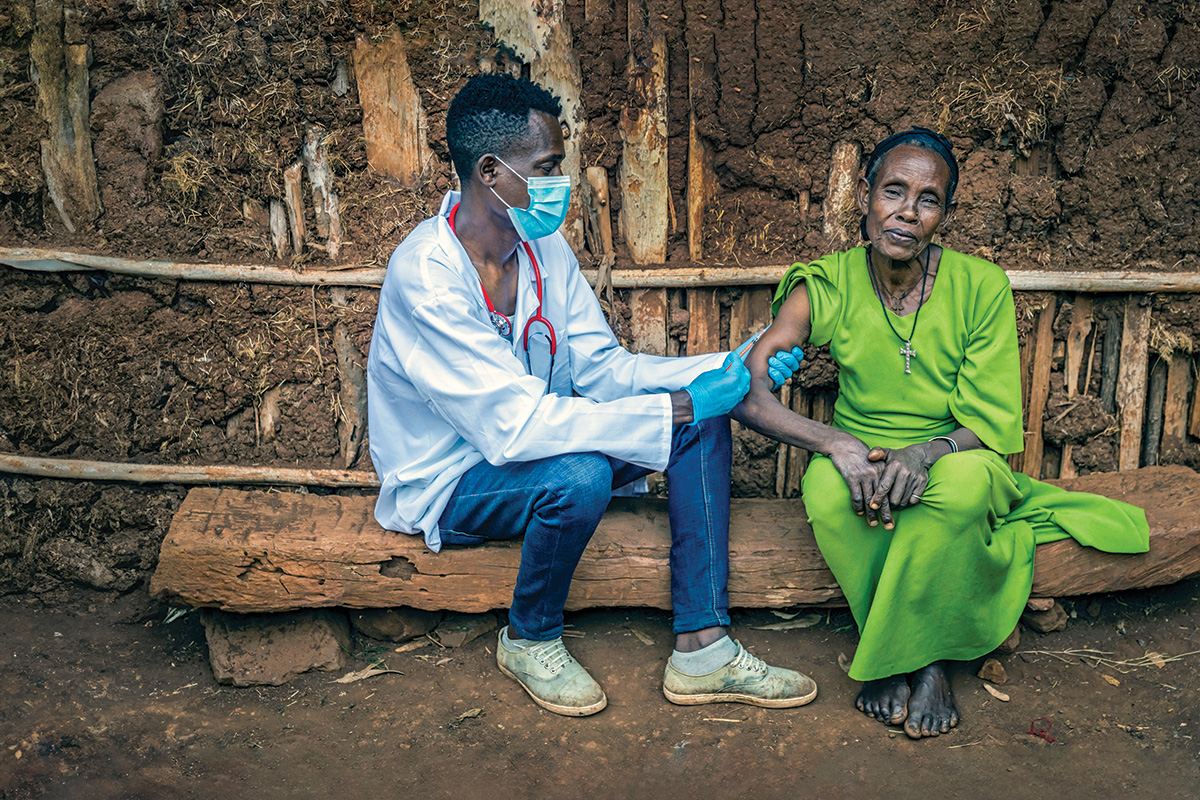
(711, 436)
(580, 488)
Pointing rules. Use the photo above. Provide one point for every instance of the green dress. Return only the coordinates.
(952, 577)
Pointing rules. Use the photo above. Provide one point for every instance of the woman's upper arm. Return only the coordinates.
(791, 328)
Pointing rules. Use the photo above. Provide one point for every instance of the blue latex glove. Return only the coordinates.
(780, 366)
(783, 365)
(716, 392)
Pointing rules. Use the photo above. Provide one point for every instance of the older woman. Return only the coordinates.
(929, 533)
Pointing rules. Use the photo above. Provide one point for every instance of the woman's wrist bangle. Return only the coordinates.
(953, 444)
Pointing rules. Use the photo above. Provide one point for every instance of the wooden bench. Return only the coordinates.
(252, 551)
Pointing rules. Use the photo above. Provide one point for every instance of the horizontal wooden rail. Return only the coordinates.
(56, 261)
(70, 469)
(692, 277)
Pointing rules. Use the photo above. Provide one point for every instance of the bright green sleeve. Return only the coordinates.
(987, 396)
(823, 278)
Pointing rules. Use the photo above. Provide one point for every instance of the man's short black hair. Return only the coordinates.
(490, 114)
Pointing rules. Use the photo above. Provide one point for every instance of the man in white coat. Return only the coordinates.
(501, 405)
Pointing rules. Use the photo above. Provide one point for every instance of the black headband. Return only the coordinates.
(920, 136)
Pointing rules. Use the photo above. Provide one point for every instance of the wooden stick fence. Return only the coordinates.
(1153, 424)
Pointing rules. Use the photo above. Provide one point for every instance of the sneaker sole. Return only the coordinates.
(730, 697)
(566, 711)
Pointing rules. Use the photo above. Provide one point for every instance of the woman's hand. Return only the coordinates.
(849, 457)
(905, 476)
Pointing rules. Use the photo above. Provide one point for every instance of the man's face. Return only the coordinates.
(542, 156)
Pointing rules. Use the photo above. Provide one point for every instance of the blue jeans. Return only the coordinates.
(556, 503)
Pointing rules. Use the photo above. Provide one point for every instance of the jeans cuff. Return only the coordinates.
(699, 620)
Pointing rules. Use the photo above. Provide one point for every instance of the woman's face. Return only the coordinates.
(907, 204)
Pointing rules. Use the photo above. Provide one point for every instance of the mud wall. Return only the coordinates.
(1077, 123)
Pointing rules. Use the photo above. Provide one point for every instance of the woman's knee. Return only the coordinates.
(959, 484)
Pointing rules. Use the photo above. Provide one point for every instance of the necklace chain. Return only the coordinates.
(877, 284)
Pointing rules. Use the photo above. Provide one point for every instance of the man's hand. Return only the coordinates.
(716, 392)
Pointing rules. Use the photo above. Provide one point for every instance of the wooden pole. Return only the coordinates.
(601, 216)
(57, 261)
(1039, 391)
(704, 322)
(645, 195)
(294, 200)
(1081, 326)
(71, 469)
(60, 71)
(1155, 399)
(702, 180)
(1174, 434)
(843, 179)
(1110, 361)
(1131, 380)
(648, 321)
(44, 260)
(395, 129)
(325, 199)
(1017, 460)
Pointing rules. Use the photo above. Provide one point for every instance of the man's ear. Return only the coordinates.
(485, 169)
(861, 194)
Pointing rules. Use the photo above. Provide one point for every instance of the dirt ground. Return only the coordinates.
(102, 700)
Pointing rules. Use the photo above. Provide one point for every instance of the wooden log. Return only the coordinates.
(648, 321)
(1156, 394)
(1174, 419)
(702, 178)
(704, 322)
(293, 199)
(839, 197)
(74, 469)
(59, 60)
(1131, 380)
(325, 199)
(645, 194)
(1039, 391)
(248, 552)
(394, 125)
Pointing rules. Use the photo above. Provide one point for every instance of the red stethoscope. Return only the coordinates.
(503, 324)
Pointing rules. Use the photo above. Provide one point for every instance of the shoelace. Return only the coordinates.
(747, 661)
(552, 655)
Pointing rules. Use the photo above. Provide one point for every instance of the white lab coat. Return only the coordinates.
(445, 392)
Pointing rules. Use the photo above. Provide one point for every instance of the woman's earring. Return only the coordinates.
(862, 228)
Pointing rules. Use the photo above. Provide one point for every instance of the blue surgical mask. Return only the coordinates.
(549, 198)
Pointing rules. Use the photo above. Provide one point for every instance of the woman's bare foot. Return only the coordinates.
(885, 699)
(931, 708)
